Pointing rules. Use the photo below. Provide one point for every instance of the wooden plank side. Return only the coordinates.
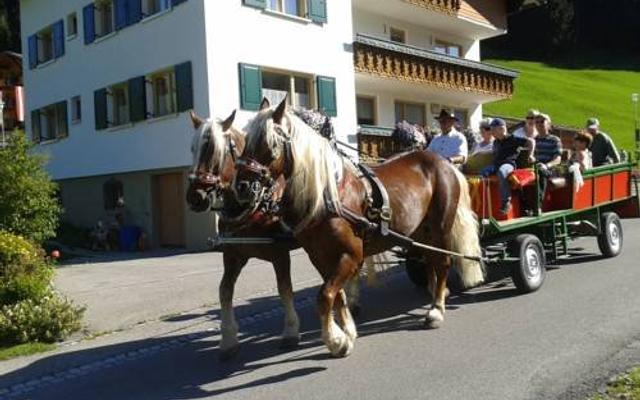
(491, 12)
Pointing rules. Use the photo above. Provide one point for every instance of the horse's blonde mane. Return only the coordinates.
(220, 148)
(312, 171)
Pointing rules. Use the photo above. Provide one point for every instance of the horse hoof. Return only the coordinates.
(289, 343)
(434, 319)
(230, 353)
(355, 311)
(344, 350)
(432, 323)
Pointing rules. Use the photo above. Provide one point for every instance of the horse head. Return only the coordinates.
(213, 147)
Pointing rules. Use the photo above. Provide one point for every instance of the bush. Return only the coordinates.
(47, 319)
(28, 204)
(24, 273)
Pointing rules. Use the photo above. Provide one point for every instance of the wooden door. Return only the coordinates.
(169, 209)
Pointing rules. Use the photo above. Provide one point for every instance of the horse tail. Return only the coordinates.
(465, 237)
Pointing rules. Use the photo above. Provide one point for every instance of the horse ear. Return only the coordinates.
(229, 121)
(279, 112)
(265, 104)
(197, 121)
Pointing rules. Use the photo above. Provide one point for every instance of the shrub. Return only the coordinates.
(47, 319)
(24, 273)
(28, 204)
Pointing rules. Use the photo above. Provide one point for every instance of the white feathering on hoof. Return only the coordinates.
(465, 237)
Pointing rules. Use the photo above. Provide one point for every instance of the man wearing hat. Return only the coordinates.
(506, 150)
(451, 144)
(602, 149)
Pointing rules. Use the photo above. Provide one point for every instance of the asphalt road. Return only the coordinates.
(560, 342)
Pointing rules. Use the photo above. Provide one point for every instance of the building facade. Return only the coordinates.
(109, 83)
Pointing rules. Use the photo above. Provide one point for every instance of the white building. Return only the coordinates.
(108, 83)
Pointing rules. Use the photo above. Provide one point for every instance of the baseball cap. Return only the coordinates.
(593, 123)
(496, 122)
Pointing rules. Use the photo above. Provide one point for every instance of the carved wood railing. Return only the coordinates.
(450, 7)
(390, 60)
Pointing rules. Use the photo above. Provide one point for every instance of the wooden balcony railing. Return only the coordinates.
(407, 63)
(450, 7)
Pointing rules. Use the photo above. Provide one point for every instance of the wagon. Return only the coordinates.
(528, 243)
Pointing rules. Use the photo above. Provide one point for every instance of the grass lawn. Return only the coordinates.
(572, 95)
(25, 350)
(625, 387)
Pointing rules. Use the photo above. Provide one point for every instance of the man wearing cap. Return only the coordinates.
(602, 149)
(529, 127)
(506, 150)
(451, 144)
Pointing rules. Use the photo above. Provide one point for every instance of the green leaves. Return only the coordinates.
(28, 204)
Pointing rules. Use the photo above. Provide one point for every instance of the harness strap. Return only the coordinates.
(383, 213)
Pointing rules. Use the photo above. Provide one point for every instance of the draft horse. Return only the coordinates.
(215, 145)
(429, 200)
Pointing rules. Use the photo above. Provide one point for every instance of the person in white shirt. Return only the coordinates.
(528, 130)
(486, 144)
(451, 144)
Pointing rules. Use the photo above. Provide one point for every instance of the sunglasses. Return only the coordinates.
(531, 117)
(541, 121)
(486, 128)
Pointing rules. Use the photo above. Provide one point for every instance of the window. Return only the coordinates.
(275, 86)
(161, 93)
(72, 25)
(397, 35)
(118, 104)
(151, 7)
(113, 194)
(76, 109)
(411, 112)
(45, 45)
(291, 7)
(447, 48)
(50, 122)
(366, 110)
(103, 17)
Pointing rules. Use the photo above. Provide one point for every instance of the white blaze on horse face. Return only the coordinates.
(210, 132)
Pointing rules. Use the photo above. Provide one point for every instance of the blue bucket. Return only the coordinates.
(129, 236)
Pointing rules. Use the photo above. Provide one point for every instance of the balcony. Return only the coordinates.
(469, 19)
(389, 60)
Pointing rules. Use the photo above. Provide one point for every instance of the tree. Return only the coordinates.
(10, 25)
(28, 203)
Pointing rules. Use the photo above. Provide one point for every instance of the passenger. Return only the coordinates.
(529, 127)
(602, 148)
(506, 149)
(451, 144)
(581, 154)
(548, 151)
(486, 144)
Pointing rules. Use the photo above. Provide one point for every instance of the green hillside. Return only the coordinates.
(570, 96)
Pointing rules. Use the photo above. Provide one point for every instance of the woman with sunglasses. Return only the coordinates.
(528, 130)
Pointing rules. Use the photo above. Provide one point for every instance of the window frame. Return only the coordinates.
(72, 22)
(147, 13)
(49, 121)
(374, 111)
(153, 100)
(404, 103)
(115, 116)
(76, 109)
(400, 31)
(40, 40)
(447, 46)
(301, 5)
(291, 92)
(99, 23)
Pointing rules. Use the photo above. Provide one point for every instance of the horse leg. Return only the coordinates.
(345, 320)
(229, 344)
(353, 293)
(435, 316)
(291, 331)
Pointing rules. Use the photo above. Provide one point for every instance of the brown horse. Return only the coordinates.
(429, 200)
(213, 147)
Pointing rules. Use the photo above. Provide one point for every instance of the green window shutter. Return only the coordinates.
(137, 99)
(35, 126)
(318, 10)
(250, 87)
(62, 120)
(327, 95)
(184, 86)
(100, 104)
(255, 3)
